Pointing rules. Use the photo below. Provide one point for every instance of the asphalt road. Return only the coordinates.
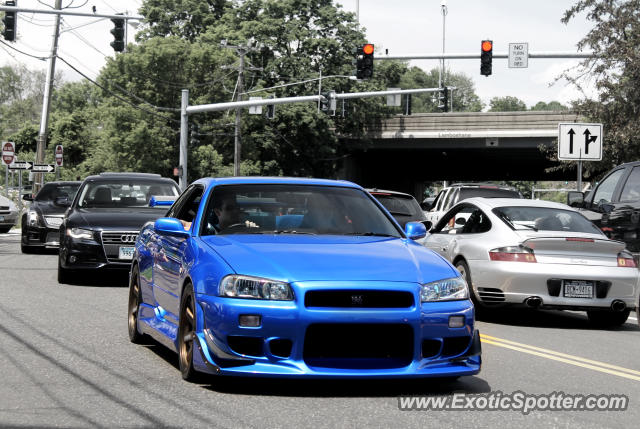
(66, 361)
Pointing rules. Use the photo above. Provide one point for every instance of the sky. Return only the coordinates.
(403, 27)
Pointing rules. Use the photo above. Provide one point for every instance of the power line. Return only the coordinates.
(24, 53)
(119, 97)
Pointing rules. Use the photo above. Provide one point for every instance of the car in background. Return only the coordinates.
(614, 205)
(287, 277)
(403, 207)
(41, 222)
(537, 254)
(8, 214)
(101, 226)
(451, 195)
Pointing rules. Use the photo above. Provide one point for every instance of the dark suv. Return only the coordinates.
(403, 207)
(100, 228)
(451, 195)
(614, 205)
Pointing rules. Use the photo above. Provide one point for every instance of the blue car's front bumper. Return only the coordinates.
(296, 338)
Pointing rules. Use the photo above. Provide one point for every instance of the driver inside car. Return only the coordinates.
(229, 214)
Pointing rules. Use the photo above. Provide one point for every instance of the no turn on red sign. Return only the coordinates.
(8, 152)
(58, 153)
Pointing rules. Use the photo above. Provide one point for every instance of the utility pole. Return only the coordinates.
(44, 120)
(443, 8)
(237, 139)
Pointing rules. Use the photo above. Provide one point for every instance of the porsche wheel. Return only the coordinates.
(187, 334)
(134, 306)
(463, 268)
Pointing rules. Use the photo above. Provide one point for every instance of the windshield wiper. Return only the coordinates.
(291, 231)
(528, 226)
(399, 213)
(506, 218)
(371, 234)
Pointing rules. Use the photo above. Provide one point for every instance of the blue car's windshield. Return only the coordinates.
(294, 209)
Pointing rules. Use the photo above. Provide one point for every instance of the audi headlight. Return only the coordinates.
(33, 217)
(445, 290)
(236, 286)
(80, 233)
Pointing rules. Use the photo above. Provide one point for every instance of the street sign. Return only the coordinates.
(255, 110)
(8, 152)
(579, 142)
(44, 168)
(58, 154)
(518, 55)
(394, 100)
(22, 165)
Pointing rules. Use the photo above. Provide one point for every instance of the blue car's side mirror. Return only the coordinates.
(415, 230)
(170, 225)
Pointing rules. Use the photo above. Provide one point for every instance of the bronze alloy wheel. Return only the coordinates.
(134, 306)
(187, 334)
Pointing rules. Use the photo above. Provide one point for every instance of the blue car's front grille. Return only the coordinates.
(358, 299)
(358, 345)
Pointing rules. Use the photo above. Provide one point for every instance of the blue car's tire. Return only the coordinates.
(134, 306)
(187, 335)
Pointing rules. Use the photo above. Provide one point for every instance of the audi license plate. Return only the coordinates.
(125, 252)
(1, 217)
(578, 289)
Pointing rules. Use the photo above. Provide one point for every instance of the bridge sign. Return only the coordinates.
(579, 142)
(8, 152)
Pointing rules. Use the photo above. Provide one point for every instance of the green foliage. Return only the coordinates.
(506, 104)
(615, 69)
(552, 106)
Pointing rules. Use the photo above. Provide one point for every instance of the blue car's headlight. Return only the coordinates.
(445, 290)
(237, 286)
(80, 233)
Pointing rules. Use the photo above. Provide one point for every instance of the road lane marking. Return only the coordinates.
(563, 357)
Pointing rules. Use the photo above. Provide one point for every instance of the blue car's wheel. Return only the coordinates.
(187, 334)
(134, 306)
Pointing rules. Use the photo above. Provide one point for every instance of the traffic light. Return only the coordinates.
(364, 61)
(271, 109)
(486, 56)
(328, 102)
(443, 98)
(118, 34)
(9, 21)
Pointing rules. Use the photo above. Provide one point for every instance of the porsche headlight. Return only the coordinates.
(445, 290)
(237, 286)
(80, 233)
(33, 217)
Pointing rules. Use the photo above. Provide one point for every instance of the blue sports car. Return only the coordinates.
(294, 277)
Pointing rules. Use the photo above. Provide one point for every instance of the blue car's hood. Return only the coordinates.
(330, 258)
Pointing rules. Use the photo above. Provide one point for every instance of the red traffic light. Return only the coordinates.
(367, 49)
(487, 45)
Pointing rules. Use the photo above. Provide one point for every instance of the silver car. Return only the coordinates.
(538, 254)
(8, 214)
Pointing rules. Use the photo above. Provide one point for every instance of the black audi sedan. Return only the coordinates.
(100, 228)
(41, 223)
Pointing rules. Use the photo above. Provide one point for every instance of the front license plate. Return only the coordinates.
(578, 289)
(1, 217)
(125, 252)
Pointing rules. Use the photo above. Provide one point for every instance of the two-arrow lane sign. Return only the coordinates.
(579, 142)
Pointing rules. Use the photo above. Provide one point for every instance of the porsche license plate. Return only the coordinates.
(578, 289)
(125, 252)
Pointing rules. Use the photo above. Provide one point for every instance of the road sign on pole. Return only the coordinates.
(579, 142)
(8, 152)
(518, 55)
(44, 168)
(22, 165)
(58, 153)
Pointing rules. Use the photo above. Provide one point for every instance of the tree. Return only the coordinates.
(506, 104)
(615, 69)
(552, 106)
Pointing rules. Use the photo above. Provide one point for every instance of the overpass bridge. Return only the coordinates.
(404, 152)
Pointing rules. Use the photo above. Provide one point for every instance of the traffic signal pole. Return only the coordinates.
(46, 102)
(187, 110)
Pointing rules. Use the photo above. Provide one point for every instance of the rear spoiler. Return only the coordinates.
(161, 200)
